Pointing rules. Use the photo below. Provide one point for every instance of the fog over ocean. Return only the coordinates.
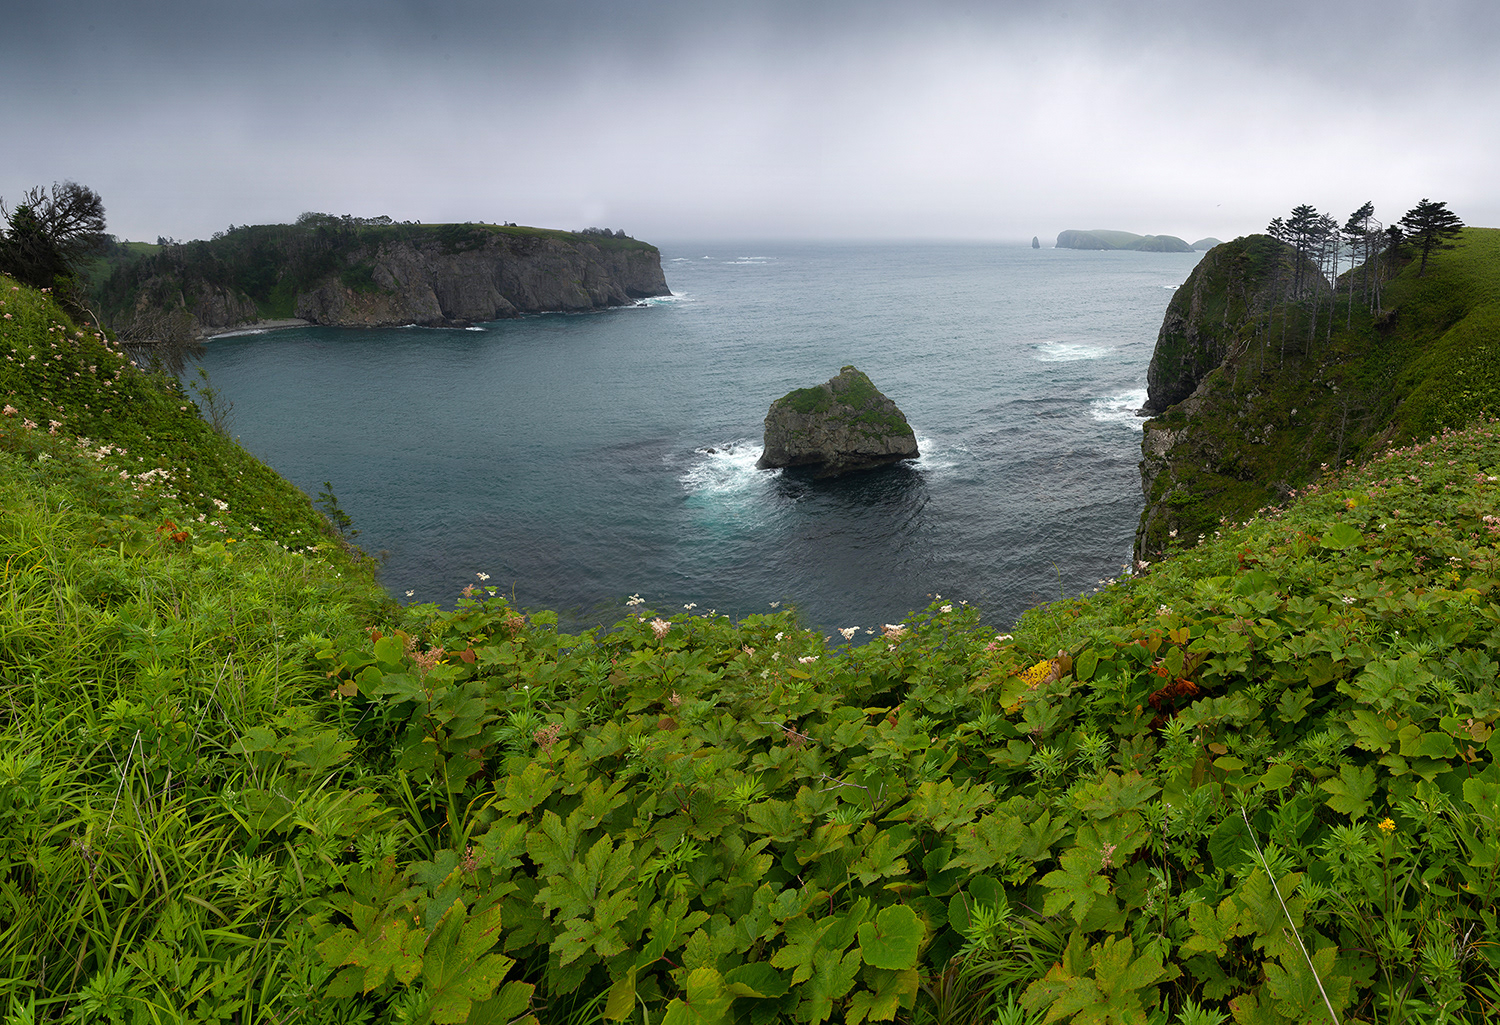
(580, 459)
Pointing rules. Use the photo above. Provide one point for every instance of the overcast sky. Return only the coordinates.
(695, 119)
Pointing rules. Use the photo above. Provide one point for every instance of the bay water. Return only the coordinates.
(577, 460)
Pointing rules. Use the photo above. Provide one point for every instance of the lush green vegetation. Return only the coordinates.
(238, 785)
(863, 404)
(1296, 394)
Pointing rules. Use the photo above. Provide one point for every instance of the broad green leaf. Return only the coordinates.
(1076, 885)
(1373, 732)
(389, 653)
(1085, 664)
(892, 940)
(756, 979)
(887, 993)
(1341, 536)
(457, 969)
(1277, 776)
(706, 1002)
(1351, 790)
(505, 1007)
(1295, 990)
(1114, 794)
(1429, 745)
(619, 1004)
(1213, 928)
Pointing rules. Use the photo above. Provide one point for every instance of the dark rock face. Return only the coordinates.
(1232, 282)
(415, 283)
(427, 280)
(846, 424)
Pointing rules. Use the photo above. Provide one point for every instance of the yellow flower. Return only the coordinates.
(1387, 826)
(1037, 673)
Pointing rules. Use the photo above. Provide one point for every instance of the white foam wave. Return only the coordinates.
(665, 300)
(241, 334)
(1120, 409)
(473, 327)
(1069, 352)
(751, 261)
(726, 470)
(937, 457)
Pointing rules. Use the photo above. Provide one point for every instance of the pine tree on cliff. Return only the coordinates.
(1430, 226)
(1358, 236)
(48, 236)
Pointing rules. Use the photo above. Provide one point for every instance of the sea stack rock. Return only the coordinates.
(846, 424)
(1036, 243)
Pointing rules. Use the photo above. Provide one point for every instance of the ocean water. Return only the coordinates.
(581, 459)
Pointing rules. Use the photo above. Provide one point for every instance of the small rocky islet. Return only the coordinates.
(843, 425)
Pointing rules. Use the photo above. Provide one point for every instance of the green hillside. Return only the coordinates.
(237, 784)
(1298, 394)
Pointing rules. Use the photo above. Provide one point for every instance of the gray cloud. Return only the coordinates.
(677, 119)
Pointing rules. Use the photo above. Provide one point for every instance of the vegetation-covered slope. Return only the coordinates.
(1291, 395)
(1258, 783)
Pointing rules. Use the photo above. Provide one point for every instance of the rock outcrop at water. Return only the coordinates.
(410, 283)
(844, 425)
(349, 272)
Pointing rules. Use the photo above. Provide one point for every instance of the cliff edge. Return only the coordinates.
(1265, 377)
(350, 272)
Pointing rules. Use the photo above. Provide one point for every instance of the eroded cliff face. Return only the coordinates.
(418, 283)
(1203, 324)
(362, 275)
(1262, 380)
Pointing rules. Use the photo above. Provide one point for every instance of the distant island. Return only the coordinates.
(1100, 238)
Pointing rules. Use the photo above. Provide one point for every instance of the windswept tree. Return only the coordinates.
(1429, 226)
(49, 235)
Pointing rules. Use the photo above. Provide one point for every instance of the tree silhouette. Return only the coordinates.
(48, 236)
(1430, 226)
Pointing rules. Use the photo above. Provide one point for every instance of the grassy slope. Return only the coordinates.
(1287, 405)
(237, 785)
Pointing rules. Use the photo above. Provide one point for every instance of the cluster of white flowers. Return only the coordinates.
(634, 600)
(848, 631)
(660, 627)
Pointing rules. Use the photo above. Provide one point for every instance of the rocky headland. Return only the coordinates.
(843, 425)
(352, 273)
(1266, 375)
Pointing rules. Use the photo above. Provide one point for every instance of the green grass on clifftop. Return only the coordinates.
(238, 785)
(1291, 399)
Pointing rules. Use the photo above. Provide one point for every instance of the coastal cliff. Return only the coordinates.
(354, 273)
(1232, 284)
(1264, 378)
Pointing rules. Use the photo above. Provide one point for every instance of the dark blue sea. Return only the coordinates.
(581, 459)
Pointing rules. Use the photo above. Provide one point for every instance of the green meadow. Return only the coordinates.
(238, 783)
